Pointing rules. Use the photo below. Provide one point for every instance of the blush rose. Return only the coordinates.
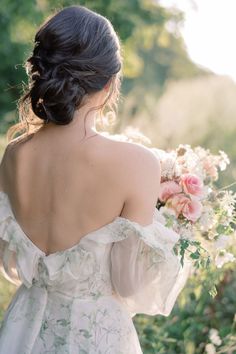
(191, 208)
(191, 184)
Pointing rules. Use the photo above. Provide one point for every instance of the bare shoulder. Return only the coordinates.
(119, 146)
(9, 158)
(5, 164)
(9, 152)
(129, 162)
(139, 171)
(140, 163)
(134, 157)
(14, 146)
(139, 156)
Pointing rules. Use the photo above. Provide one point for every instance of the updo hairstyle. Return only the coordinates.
(76, 53)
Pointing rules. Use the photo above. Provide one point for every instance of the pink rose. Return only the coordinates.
(167, 189)
(182, 204)
(192, 184)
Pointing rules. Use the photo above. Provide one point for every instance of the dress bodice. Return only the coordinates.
(82, 299)
(136, 262)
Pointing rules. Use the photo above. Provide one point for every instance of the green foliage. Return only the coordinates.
(187, 329)
(17, 26)
(6, 292)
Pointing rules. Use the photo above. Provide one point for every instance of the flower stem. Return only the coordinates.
(229, 185)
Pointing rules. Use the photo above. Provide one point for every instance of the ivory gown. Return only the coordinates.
(82, 300)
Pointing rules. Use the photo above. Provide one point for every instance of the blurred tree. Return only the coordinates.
(17, 25)
(196, 111)
(152, 48)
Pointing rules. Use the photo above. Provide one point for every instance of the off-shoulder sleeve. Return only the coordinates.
(18, 256)
(146, 273)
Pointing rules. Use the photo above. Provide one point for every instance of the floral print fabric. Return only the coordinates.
(82, 300)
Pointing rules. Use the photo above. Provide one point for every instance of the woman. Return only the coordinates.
(79, 230)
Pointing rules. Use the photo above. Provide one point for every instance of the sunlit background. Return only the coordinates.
(209, 33)
(178, 88)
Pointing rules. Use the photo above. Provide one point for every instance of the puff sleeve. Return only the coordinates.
(146, 273)
(18, 256)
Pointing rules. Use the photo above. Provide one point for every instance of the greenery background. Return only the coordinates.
(169, 99)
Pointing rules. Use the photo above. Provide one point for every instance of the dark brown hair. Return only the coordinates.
(76, 53)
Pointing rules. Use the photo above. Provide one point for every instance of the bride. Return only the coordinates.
(80, 234)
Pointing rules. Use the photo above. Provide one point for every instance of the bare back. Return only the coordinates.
(60, 190)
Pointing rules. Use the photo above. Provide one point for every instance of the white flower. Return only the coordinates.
(223, 257)
(224, 160)
(135, 135)
(186, 232)
(201, 152)
(193, 164)
(214, 337)
(222, 242)
(169, 164)
(227, 202)
(210, 349)
(207, 219)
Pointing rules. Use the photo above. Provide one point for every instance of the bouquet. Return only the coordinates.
(190, 202)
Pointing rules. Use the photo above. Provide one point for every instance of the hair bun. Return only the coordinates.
(55, 94)
(76, 53)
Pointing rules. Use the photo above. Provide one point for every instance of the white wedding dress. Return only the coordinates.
(82, 300)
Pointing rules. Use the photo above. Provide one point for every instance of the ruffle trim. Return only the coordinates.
(158, 237)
